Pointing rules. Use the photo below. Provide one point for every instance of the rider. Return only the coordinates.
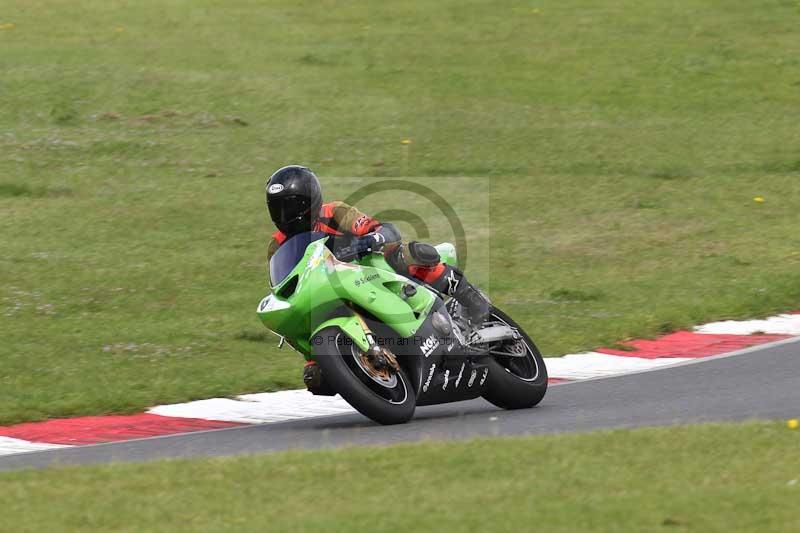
(294, 200)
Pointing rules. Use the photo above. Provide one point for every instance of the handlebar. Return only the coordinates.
(346, 254)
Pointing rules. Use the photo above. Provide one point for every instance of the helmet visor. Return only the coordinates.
(285, 209)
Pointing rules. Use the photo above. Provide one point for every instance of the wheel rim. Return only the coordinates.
(524, 367)
(391, 386)
(384, 377)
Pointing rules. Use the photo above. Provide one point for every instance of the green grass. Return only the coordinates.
(740, 477)
(615, 146)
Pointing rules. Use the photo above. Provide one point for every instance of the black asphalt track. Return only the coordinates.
(757, 383)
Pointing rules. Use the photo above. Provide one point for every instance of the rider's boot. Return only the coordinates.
(476, 305)
(312, 375)
(315, 381)
(474, 302)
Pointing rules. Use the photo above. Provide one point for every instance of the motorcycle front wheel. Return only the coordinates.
(385, 396)
(517, 376)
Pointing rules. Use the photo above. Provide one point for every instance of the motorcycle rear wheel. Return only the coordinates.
(516, 382)
(386, 399)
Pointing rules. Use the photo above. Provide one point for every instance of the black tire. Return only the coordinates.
(516, 382)
(340, 368)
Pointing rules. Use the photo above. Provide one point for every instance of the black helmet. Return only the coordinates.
(294, 198)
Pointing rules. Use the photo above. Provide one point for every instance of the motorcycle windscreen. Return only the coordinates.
(289, 254)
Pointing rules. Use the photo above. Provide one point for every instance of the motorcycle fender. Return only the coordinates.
(351, 327)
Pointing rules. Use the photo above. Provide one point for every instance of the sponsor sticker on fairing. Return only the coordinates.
(472, 377)
(430, 344)
(317, 257)
(430, 377)
(485, 373)
(366, 279)
(270, 303)
(446, 379)
(460, 373)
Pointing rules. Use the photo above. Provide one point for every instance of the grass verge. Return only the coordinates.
(741, 477)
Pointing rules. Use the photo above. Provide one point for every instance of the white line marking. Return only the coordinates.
(776, 325)
(592, 364)
(10, 446)
(259, 408)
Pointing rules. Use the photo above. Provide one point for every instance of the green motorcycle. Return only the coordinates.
(387, 343)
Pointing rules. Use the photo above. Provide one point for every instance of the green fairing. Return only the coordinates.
(447, 252)
(325, 284)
